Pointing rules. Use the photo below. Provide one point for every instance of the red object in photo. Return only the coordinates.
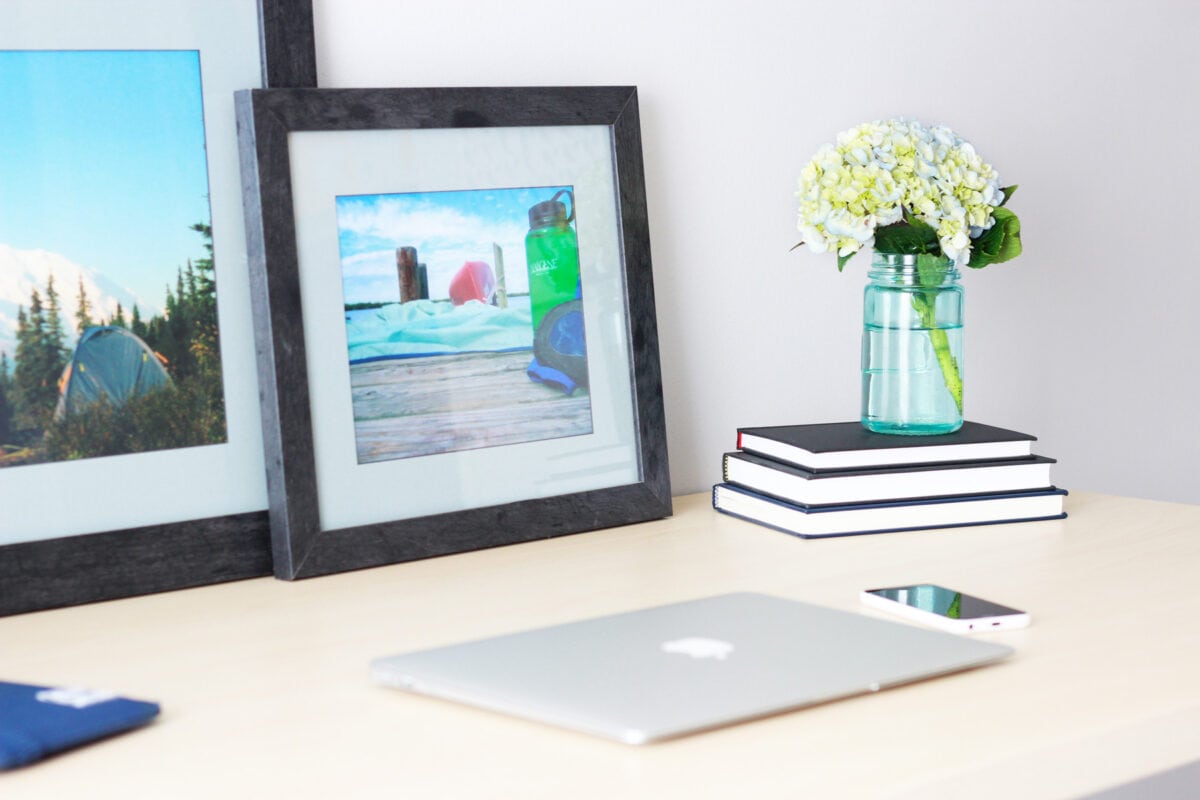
(475, 281)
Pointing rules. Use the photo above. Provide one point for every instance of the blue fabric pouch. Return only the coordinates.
(36, 721)
(560, 349)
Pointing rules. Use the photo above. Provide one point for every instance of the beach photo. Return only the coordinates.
(109, 340)
(464, 319)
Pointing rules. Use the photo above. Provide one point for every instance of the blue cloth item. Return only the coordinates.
(540, 373)
(36, 721)
(560, 348)
(428, 327)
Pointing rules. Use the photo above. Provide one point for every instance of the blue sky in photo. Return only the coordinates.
(447, 228)
(102, 160)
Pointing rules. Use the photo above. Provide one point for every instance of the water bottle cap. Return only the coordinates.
(548, 212)
(552, 211)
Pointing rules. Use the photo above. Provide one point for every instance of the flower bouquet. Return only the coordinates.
(905, 189)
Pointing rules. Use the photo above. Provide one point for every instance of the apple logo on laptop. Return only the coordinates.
(699, 647)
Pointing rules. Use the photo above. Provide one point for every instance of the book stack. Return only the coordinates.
(839, 479)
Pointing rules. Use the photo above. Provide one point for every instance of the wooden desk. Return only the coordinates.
(265, 690)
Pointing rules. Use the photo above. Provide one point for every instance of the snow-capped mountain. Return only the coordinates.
(21, 271)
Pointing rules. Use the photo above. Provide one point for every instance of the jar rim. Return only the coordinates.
(903, 259)
(909, 275)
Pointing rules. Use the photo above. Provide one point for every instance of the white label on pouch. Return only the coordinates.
(75, 696)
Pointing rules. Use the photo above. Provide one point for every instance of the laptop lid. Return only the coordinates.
(665, 671)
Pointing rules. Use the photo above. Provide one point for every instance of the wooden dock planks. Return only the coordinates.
(439, 404)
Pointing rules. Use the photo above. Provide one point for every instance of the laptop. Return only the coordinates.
(661, 672)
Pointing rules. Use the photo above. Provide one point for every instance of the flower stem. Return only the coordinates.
(925, 304)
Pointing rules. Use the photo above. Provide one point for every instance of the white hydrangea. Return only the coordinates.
(876, 170)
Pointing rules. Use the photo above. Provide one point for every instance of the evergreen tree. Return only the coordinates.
(179, 323)
(156, 335)
(25, 381)
(6, 410)
(136, 324)
(55, 338)
(40, 360)
(190, 274)
(83, 314)
(119, 317)
(22, 328)
(204, 304)
(163, 331)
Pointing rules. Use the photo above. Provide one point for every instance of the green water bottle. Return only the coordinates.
(552, 256)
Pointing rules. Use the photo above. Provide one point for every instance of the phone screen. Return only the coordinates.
(944, 602)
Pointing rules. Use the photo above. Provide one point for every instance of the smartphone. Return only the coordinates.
(945, 608)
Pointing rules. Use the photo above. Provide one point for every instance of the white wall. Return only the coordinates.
(1088, 340)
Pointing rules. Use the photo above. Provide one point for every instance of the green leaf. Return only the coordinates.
(1008, 192)
(916, 222)
(932, 269)
(911, 237)
(1001, 242)
(927, 232)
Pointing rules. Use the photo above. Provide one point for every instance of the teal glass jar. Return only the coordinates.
(912, 347)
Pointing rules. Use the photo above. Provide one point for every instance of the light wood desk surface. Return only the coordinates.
(265, 689)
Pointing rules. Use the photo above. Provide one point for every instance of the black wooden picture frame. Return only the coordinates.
(301, 548)
(90, 567)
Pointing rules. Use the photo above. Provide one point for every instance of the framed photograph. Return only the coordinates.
(455, 319)
(130, 444)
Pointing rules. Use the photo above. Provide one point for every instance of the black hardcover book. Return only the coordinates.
(848, 445)
(806, 487)
(818, 522)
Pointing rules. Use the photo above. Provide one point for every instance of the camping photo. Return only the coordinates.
(108, 312)
(464, 319)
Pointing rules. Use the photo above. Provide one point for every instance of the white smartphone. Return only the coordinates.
(945, 608)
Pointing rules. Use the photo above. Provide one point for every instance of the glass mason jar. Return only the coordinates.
(912, 346)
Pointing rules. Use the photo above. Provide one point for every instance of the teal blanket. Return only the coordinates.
(428, 327)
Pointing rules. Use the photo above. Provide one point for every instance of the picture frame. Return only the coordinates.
(73, 561)
(304, 152)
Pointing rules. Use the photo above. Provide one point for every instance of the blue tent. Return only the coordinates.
(110, 363)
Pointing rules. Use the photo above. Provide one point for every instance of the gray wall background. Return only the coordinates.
(1087, 341)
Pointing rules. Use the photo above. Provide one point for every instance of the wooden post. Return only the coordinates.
(501, 289)
(423, 281)
(406, 269)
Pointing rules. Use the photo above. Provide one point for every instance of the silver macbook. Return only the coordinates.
(665, 671)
